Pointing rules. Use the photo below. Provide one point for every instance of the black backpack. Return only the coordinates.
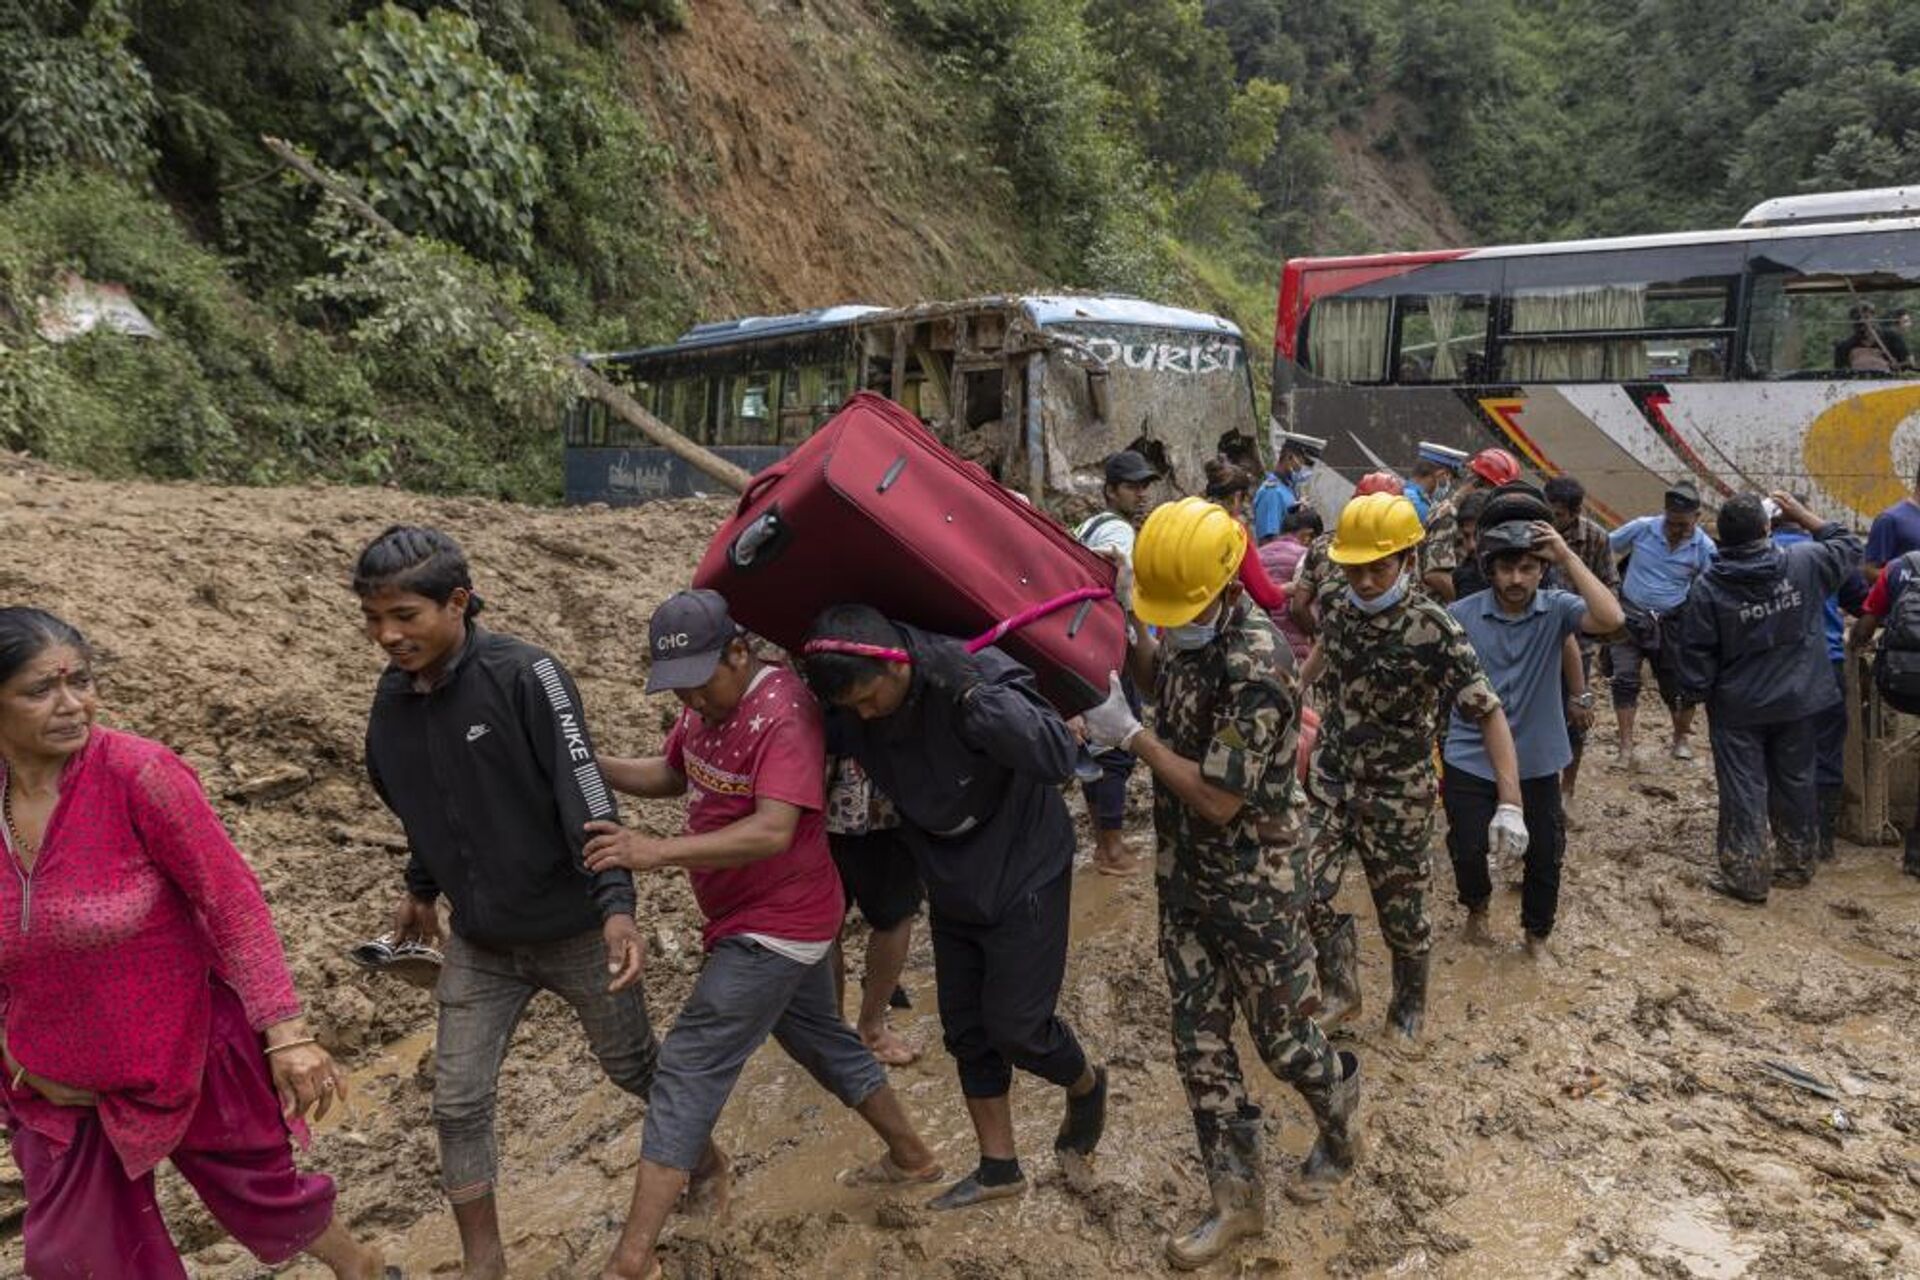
(1896, 671)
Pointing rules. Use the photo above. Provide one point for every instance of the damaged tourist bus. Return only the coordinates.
(1038, 390)
(1778, 354)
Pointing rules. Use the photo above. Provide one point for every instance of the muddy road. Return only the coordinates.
(1610, 1112)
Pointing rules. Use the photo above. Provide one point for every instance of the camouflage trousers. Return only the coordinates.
(1217, 961)
(1390, 832)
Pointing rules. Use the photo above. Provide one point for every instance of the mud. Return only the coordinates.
(1607, 1113)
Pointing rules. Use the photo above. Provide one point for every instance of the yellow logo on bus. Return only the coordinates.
(1849, 448)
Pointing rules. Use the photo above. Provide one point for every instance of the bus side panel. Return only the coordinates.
(1849, 445)
(1843, 443)
(626, 477)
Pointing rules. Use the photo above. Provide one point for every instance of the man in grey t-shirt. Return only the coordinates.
(1519, 632)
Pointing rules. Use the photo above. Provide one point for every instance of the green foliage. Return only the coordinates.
(1038, 80)
(70, 91)
(443, 133)
(225, 391)
(434, 324)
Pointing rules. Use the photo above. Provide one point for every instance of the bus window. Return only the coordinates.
(746, 411)
(1347, 339)
(622, 434)
(1836, 306)
(1443, 338)
(683, 406)
(1576, 324)
(809, 395)
(575, 432)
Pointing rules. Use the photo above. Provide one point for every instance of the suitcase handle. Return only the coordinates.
(761, 542)
(761, 483)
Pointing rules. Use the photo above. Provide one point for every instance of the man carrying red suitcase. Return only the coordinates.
(974, 759)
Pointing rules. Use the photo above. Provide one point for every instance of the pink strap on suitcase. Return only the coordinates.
(1029, 616)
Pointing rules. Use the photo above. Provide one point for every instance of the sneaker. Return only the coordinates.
(1682, 750)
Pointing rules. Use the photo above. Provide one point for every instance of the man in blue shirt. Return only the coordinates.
(1894, 532)
(1830, 725)
(1668, 552)
(1280, 490)
(1519, 632)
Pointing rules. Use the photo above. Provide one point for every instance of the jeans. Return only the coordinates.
(482, 995)
(1471, 801)
(745, 993)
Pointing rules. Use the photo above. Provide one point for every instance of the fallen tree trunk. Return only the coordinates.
(622, 405)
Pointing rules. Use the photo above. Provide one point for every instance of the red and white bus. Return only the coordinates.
(1778, 354)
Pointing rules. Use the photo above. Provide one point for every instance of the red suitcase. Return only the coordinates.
(872, 509)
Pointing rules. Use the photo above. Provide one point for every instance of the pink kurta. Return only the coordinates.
(106, 948)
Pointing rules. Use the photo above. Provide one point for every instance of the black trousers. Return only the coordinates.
(999, 984)
(1830, 736)
(1765, 772)
(1471, 801)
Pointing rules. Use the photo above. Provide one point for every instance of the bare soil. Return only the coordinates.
(1607, 1113)
(820, 151)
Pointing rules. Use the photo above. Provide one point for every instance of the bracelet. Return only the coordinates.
(291, 1044)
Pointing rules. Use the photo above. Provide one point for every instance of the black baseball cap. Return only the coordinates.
(1129, 466)
(1683, 495)
(686, 637)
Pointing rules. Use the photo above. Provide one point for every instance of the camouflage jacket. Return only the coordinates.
(1388, 677)
(1318, 574)
(1234, 707)
(1440, 549)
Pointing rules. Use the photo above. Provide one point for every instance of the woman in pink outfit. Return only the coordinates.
(1281, 558)
(146, 1011)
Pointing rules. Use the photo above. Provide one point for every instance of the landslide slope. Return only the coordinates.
(813, 146)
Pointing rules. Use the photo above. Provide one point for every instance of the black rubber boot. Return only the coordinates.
(1830, 799)
(1409, 1008)
(1339, 965)
(1086, 1119)
(1335, 1109)
(1230, 1151)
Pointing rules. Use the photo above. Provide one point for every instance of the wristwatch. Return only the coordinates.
(1584, 700)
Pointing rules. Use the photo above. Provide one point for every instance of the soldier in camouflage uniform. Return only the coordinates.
(1440, 552)
(1317, 575)
(1388, 659)
(1231, 868)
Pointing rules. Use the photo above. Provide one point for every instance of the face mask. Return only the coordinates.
(1299, 476)
(1392, 596)
(1192, 635)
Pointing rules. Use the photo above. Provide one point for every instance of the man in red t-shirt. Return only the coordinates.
(749, 752)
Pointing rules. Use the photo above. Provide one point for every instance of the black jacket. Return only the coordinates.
(493, 775)
(976, 778)
(1753, 641)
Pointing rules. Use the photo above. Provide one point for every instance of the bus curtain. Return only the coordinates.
(1347, 339)
(1606, 306)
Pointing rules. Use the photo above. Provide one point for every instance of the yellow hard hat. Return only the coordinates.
(1186, 553)
(1373, 527)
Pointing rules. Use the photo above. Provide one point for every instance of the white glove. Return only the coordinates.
(1507, 835)
(1112, 724)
